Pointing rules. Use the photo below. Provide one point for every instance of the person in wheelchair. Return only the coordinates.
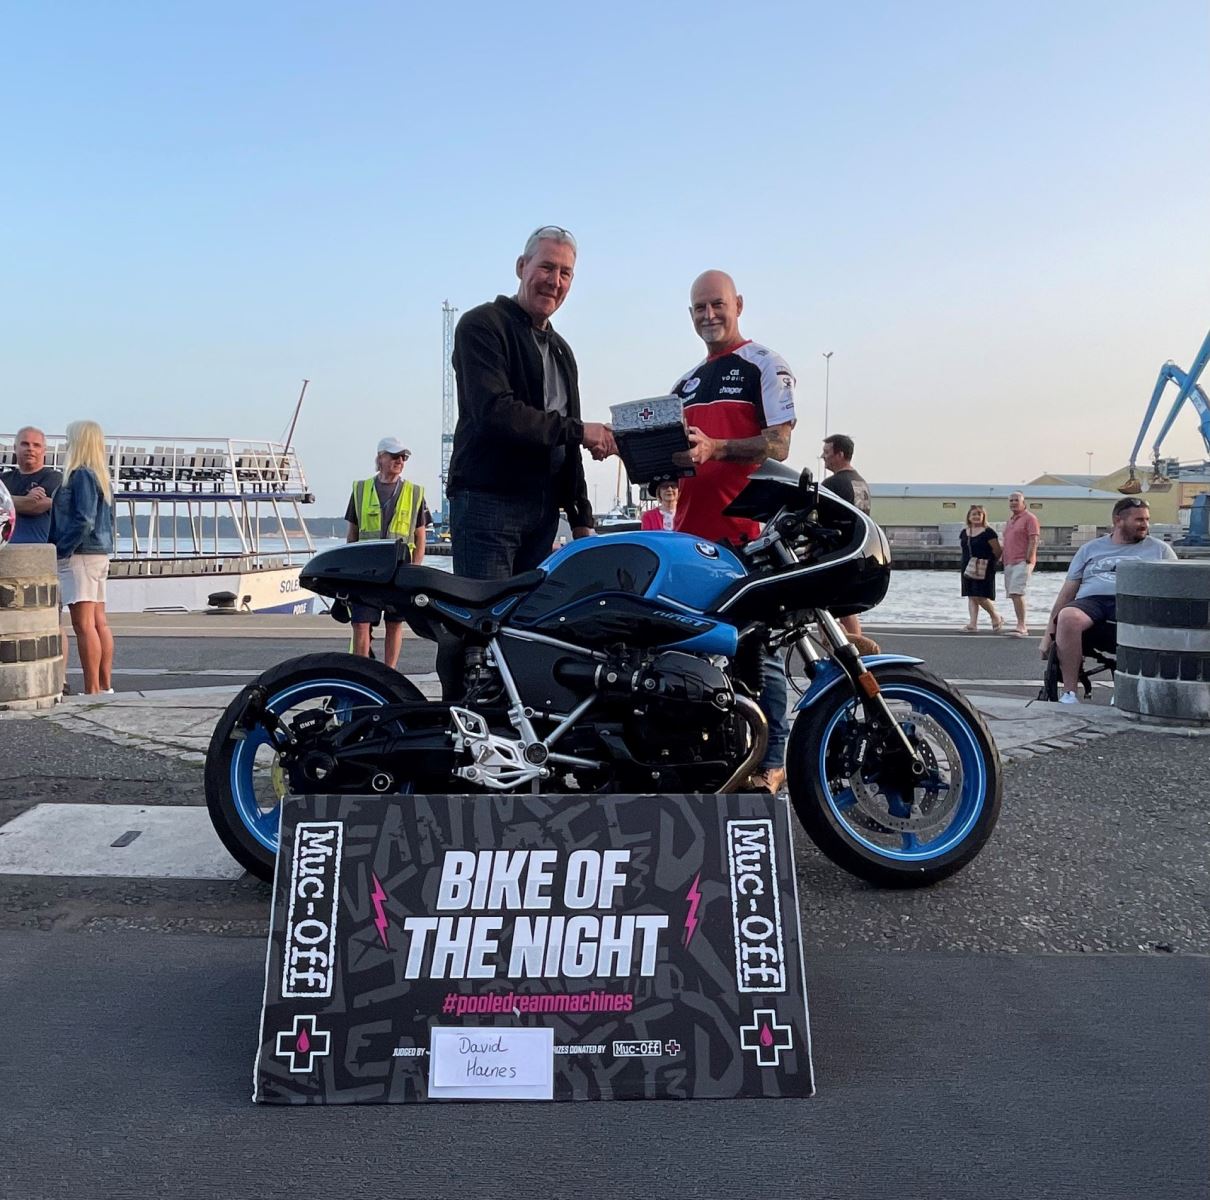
(1084, 616)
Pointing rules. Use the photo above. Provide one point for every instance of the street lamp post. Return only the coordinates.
(827, 381)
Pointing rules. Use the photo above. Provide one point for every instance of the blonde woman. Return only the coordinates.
(82, 533)
(980, 554)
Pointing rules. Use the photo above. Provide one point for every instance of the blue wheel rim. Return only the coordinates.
(966, 810)
(264, 823)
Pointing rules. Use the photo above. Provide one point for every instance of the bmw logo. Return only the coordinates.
(706, 550)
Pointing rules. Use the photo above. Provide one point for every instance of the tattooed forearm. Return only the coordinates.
(773, 443)
(777, 442)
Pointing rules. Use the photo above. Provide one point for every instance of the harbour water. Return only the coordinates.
(914, 598)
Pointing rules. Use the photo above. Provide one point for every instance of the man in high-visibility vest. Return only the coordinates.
(386, 506)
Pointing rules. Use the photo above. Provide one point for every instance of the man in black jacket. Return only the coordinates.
(516, 459)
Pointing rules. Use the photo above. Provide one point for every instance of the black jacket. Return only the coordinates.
(505, 437)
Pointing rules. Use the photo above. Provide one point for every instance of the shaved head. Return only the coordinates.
(718, 282)
(714, 308)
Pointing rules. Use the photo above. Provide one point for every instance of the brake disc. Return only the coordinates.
(941, 788)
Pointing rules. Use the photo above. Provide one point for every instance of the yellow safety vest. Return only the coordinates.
(369, 512)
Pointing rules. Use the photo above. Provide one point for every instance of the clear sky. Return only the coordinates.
(995, 217)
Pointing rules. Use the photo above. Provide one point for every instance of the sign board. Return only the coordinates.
(533, 947)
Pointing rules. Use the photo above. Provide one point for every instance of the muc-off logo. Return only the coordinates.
(311, 922)
(760, 959)
(645, 1049)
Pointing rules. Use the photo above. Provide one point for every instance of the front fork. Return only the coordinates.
(865, 685)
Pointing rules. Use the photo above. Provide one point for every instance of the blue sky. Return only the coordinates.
(995, 219)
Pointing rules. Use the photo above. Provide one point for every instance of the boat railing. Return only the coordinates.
(174, 492)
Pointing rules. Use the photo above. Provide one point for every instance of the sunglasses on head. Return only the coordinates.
(554, 231)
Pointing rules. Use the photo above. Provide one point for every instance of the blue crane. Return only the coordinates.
(1190, 390)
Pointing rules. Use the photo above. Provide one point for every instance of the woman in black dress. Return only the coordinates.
(980, 554)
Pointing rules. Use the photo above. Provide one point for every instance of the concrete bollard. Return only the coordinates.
(1163, 668)
(32, 664)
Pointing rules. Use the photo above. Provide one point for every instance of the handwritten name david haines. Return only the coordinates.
(470, 1049)
(579, 946)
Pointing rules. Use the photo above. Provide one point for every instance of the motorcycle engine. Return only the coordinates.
(682, 711)
(684, 689)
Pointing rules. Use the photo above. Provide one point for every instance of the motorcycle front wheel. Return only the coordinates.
(886, 834)
(245, 782)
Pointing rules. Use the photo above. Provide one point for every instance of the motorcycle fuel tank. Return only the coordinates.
(648, 586)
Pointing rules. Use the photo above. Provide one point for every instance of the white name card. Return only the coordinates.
(482, 1062)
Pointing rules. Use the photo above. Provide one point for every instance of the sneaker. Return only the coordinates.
(768, 779)
(1069, 698)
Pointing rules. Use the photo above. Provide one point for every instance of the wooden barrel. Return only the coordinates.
(31, 645)
(1163, 668)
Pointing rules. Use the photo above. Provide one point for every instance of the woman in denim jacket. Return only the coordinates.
(82, 532)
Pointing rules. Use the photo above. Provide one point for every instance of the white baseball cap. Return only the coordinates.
(392, 445)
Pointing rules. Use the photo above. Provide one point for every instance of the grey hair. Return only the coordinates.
(548, 233)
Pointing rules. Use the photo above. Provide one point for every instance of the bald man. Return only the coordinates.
(739, 406)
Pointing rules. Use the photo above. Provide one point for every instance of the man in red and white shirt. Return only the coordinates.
(739, 407)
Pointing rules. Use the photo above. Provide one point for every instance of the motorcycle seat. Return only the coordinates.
(477, 593)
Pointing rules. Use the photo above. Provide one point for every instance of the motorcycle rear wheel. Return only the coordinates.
(245, 783)
(874, 830)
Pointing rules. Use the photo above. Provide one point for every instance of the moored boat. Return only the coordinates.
(202, 523)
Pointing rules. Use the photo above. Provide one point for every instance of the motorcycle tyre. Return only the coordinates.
(390, 687)
(830, 834)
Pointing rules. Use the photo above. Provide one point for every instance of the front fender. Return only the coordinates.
(828, 675)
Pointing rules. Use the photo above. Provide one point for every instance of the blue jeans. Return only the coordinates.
(773, 700)
(496, 536)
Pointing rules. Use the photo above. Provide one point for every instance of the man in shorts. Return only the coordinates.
(1088, 596)
(386, 506)
(1020, 543)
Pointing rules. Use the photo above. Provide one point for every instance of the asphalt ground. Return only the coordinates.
(939, 1075)
(1100, 848)
(1035, 1026)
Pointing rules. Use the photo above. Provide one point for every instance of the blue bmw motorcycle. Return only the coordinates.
(631, 663)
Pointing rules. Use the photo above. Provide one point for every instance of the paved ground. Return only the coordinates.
(1033, 1027)
(940, 1075)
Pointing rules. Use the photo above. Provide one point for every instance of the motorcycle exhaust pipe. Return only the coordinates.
(759, 726)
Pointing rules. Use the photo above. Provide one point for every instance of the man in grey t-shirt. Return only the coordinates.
(1088, 596)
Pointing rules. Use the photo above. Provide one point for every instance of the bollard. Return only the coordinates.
(1163, 667)
(31, 645)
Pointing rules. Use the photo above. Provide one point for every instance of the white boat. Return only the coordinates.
(622, 518)
(202, 524)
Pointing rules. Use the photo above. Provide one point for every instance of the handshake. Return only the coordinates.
(598, 440)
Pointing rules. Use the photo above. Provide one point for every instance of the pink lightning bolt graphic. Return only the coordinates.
(377, 896)
(695, 898)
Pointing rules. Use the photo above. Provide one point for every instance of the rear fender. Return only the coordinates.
(828, 675)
